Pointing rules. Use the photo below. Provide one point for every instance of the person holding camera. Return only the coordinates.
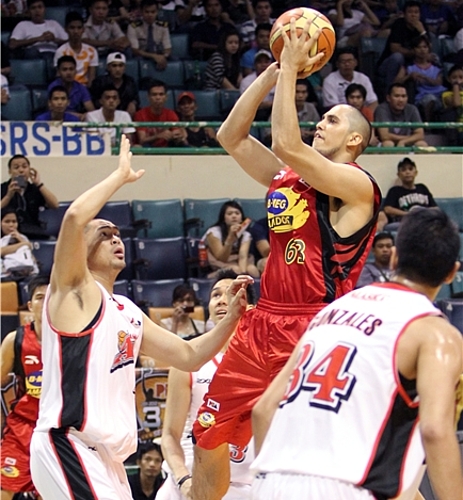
(26, 193)
(184, 301)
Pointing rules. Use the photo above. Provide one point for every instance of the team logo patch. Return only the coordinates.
(10, 471)
(287, 210)
(206, 420)
(34, 384)
(213, 405)
(125, 355)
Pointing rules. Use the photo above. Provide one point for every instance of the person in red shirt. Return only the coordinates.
(356, 95)
(21, 355)
(156, 112)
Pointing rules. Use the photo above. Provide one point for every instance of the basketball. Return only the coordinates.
(326, 42)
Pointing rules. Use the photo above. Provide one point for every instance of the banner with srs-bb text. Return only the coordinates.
(50, 139)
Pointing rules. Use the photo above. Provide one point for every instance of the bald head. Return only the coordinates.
(358, 123)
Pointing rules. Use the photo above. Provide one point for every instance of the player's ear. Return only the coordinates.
(29, 305)
(355, 139)
(452, 273)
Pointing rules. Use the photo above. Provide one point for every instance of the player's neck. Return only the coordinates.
(429, 291)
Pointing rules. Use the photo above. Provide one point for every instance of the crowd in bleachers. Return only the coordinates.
(206, 53)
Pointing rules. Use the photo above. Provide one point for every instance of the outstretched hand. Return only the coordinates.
(295, 53)
(236, 295)
(125, 162)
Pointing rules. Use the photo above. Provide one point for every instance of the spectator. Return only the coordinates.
(426, 79)
(238, 11)
(352, 23)
(335, 84)
(184, 301)
(453, 103)
(197, 137)
(16, 249)
(125, 84)
(397, 109)
(27, 195)
(187, 14)
(85, 55)
(262, 15)
(5, 62)
(262, 60)
(223, 70)
(104, 35)
(378, 271)
(306, 112)
(205, 36)
(150, 477)
(39, 37)
(438, 18)
(387, 13)
(262, 43)
(401, 199)
(156, 112)
(5, 96)
(355, 96)
(260, 242)
(150, 38)
(58, 102)
(228, 243)
(398, 51)
(130, 11)
(79, 96)
(109, 100)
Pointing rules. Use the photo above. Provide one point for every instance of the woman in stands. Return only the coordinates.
(228, 242)
(223, 70)
(181, 323)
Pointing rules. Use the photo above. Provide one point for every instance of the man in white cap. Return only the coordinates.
(125, 84)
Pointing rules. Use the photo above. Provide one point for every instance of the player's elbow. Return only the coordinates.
(284, 149)
(436, 431)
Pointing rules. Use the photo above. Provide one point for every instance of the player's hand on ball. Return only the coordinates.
(295, 54)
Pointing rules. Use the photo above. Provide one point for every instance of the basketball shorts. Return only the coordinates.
(278, 486)
(15, 456)
(64, 467)
(264, 340)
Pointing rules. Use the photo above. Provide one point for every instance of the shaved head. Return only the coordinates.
(359, 124)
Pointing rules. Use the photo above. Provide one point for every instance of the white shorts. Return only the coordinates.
(64, 468)
(170, 491)
(277, 486)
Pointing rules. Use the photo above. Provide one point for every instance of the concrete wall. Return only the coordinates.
(219, 176)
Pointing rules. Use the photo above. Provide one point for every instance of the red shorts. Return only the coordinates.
(15, 455)
(265, 338)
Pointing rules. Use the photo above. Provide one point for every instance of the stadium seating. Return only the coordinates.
(172, 75)
(255, 209)
(128, 273)
(19, 106)
(453, 207)
(227, 100)
(39, 99)
(29, 71)
(453, 309)
(456, 286)
(164, 216)
(5, 37)
(57, 13)
(150, 293)
(169, 17)
(44, 251)
(206, 211)
(208, 104)
(122, 287)
(52, 219)
(194, 74)
(202, 288)
(180, 48)
(120, 214)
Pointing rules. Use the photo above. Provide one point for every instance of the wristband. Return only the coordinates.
(182, 480)
(423, 33)
(40, 185)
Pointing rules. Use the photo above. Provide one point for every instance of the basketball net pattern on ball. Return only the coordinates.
(326, 42)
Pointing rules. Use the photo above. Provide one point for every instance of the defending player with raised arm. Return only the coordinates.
(322, 210)
(392, 361)
(90, 341)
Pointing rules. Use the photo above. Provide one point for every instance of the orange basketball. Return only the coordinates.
(326, 42)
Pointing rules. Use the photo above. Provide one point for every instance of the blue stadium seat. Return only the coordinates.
(29, 71)
(57, 13)
(53, 218)
(44, 251)
(446, 47)
(180, 47)
(172, 76)
(160, 259)
(5, 36)
(169, 17)
(39, 100)
(8, 323)
(453, 309)
(208, 104)
(19, 106)
(128, 273)
(453, 207)
(194, 74)
(227, 100)
(206, 211)
(370, 52)
(120, 214)
(457, 285)
(144, 100)
(122, 287)
(150, 293)
(202, 288)
(165, 217)
(255, 209)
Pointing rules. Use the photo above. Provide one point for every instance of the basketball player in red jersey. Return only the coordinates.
(322, 210)
(21, 355)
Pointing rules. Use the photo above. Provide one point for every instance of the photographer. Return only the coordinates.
(26, 194)
(184, 301)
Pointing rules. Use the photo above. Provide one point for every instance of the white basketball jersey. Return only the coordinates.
(347, 414)
(240, 459)
(88, 381)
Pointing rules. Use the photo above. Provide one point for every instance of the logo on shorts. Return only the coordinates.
(213, 405)
(206, 420)
(10, 471)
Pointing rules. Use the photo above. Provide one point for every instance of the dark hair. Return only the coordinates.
(65, 59)
(156, 83)
(71, 17)
(382, 236)
(418, 39)
(303, 81)
(456, 67)
(346, 50)
(36, 282)
(411, 3)
(405, 161)
(394, 85)
(182, 291)
(29, 3)
(231, 61)
(15, 157)
(255, 2)
(108, 88)
(353, 87)
(58, 88)
(7, 211)
(263, 27)
(428, 245)
(146, 447)
(229, 274)
(93, 2)
(148, 3)
(221, 220)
